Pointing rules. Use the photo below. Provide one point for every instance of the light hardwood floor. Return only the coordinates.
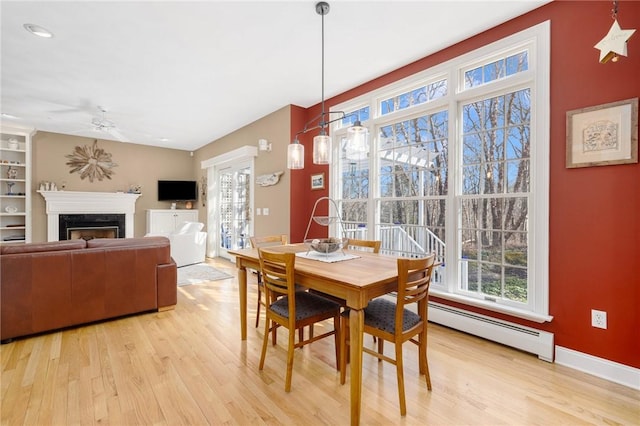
(189, 366)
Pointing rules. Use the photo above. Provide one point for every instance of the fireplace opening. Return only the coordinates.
(89, 226)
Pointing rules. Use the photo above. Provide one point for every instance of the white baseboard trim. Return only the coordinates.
(603, 368)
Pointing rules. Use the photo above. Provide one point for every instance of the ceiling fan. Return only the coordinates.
(104, 125)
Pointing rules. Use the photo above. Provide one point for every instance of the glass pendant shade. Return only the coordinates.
(358, 141)
(295, 155)
(321, 149)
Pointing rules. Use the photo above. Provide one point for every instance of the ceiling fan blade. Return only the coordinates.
(84, 106)
(116, 133)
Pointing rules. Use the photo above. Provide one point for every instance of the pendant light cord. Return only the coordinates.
(322, 122)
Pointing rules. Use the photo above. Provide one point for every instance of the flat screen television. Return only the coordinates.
(177, 190)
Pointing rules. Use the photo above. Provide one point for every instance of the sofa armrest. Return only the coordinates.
(167, 285)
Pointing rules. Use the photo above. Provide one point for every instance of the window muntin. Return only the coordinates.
(496, 144)
(413, 156)
(354, 191)
(496, 69)
(419, 95)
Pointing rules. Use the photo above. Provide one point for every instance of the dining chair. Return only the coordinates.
(395, 323)
(292, 309)
(262, 242)
(370, 245)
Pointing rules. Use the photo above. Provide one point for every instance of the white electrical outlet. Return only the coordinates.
(258, 211)
(265, 211)
(598, 319)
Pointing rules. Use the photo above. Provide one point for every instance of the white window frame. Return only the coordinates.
(537, 40)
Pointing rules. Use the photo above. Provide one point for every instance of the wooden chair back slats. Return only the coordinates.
(261, 242)
(277, 272)
(268, 240)
(374, 245)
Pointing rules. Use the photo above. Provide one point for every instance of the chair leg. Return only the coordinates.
(424, 362)
(264, 343)
(344, 338)
(337, 340)
(258, 308)
(274, 335)
(290, 349)
(400, 374)
(380, 348)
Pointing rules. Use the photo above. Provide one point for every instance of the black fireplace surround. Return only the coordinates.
(69, 222)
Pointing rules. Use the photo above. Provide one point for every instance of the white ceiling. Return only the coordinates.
(192, 72)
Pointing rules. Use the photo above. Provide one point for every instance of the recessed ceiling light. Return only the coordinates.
(37, 30)
(5, 115)
(164, 139)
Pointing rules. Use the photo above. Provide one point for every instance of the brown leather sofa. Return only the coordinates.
(48, 286)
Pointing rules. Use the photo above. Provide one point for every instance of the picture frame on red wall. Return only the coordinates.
(603, 135)
(317, 181)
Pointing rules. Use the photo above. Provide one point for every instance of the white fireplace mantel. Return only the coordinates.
(76, 202)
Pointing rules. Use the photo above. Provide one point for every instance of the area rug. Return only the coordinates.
(199, 273)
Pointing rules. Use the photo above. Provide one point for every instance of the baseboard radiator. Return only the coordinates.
(507, 333)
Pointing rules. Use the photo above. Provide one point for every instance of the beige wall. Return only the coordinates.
(136, 165)
(144, 165)
(276, 128)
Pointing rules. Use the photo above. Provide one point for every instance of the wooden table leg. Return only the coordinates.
(356, 325)
(242, 283)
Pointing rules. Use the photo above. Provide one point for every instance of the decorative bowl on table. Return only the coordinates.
(326, 245)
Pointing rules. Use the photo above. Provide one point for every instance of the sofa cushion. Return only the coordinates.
(43, 247)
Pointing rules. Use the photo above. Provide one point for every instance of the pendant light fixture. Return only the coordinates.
(357, 141)
(295, 155)
(322, 143)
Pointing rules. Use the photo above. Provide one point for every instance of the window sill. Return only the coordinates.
(492, 306)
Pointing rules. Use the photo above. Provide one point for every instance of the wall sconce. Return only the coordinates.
(264, 145)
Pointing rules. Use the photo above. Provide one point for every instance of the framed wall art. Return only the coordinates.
(317, 181)
(603, 135)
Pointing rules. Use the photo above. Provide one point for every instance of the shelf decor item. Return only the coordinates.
(603, 135)
(13, 143)
(12, 173)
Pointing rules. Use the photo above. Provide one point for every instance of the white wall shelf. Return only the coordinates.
(15, 178)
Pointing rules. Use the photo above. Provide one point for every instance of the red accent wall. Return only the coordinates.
(594, 238)
(302, 197)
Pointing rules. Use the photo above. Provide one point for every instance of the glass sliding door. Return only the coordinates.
(234, 212)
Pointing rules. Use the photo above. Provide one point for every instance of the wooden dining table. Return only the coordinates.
(356, 280)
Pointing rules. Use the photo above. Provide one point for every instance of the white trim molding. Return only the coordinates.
(75, 202)
(599, 367)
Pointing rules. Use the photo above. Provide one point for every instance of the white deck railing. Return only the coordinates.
(405, 241)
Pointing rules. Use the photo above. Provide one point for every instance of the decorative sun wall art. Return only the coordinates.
(91, 162)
